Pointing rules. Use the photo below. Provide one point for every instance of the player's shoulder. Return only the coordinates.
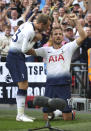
(29, 26)
(74, 43)
(47, 47)
(70, 43)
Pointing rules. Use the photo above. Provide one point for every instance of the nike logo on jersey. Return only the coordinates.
(62, 51)
(49, 52)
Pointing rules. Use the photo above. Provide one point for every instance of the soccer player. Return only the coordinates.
(26, 35)
(58, 60)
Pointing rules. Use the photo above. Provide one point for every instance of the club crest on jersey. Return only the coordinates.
(56, 58)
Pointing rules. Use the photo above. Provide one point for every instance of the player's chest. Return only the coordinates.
(56, 56)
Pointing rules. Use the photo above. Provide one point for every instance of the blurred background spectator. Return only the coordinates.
(5, 42)
(85, 46)
(15, 12)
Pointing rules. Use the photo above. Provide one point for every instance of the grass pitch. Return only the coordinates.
(8, 122)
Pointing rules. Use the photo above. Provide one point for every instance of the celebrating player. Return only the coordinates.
(25, 37)
(58, 60)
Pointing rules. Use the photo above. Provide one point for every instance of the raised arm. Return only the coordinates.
(82, 33)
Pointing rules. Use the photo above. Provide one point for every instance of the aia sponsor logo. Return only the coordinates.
(56, 58)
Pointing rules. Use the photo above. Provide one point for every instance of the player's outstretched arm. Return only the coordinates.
(82, 33)
(31, 52)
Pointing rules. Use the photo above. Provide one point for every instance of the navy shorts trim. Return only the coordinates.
(59, 91)
(15, 63)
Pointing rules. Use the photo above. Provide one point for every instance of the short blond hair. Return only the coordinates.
(42, 18)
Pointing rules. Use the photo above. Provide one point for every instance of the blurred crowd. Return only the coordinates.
(15, 12)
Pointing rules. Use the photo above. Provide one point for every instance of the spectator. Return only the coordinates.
(5, 42)
(25, 3)
(68, 4)
(76, 6)
(14, 19)
(17, 4)
(67, 20)
(69, 34)
(46, 9)
(1, 28)
(81, 3)
(88, 20)
(85, 46)
(80, 13)
(86, 5)
(68, 37)
(55, 16)
(82, 22)
(48, 2)
(61, 13)
(2, 5)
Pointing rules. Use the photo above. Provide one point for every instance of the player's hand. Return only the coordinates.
(38, 37)
(73, 18)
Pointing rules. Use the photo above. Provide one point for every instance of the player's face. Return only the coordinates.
(45, 27)
(7, 32)
(57, 36)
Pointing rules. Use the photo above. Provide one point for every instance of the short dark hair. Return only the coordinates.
(56, 28)
(20, 22)
(42, 18)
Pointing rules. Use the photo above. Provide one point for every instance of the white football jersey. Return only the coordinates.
(22, 38)
(58, 62)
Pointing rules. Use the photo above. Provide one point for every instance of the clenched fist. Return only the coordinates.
(73, 17)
